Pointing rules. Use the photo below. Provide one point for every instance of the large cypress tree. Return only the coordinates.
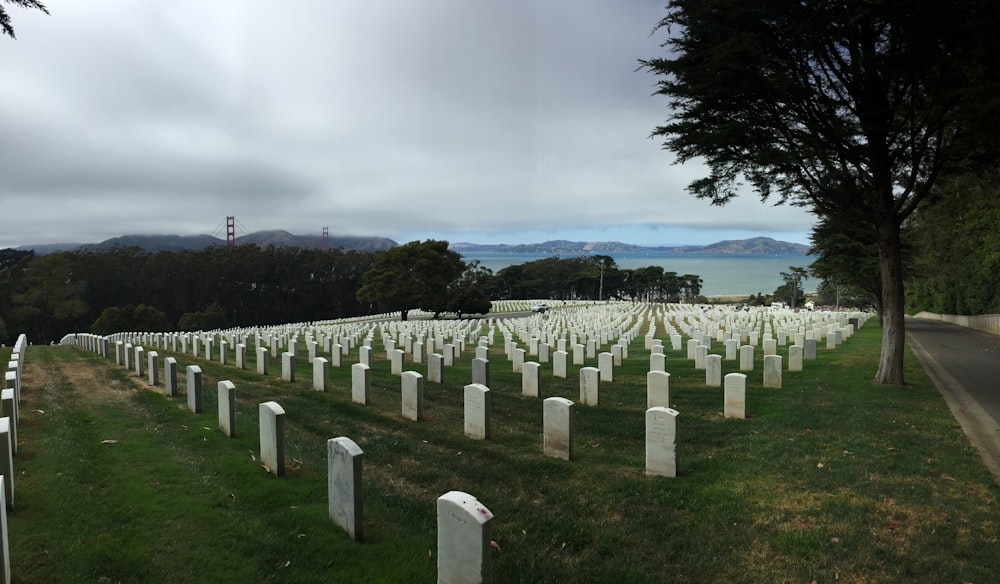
(854, 108)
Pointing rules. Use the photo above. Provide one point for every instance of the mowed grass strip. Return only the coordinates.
(831, 478)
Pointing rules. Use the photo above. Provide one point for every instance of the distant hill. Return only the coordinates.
(281, 238)
(277, 238)
(158, 242)
(756, 245)
(555, 246)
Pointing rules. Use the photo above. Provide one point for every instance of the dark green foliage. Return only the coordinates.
(791, 291)
(51, 299)
(558, 278)
(413, 275)
(957, 250)
(469, 299)
(5, 25)
(595, 277)
(46, 297)
(847, 258)
(853, 109)
(830, 294)
(212, 318)
(131, 318)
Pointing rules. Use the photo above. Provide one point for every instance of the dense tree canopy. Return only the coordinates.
(127, 289)
(956, 250)
(853, 108)
(594, 277)
(46, 297)
(846, 260)
(414, 275)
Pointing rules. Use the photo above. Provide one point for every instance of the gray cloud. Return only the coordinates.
(474, 121)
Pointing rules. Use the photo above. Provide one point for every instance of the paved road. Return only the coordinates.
(965, 366)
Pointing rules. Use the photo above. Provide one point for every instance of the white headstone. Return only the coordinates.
(657, 389)
(772, 371)
(559, 364)
(464, 534)
(557, 424)
(732, 347)
(272, 437)
(435, 368)
(344, 461)
(809, 350)
(795, 358)
(7, 461)
(413, 395)
(170, 376)
(288, 366)
(361, 384)
(153, 366)
(746, 358)
(518, 360)
(194, 389)
(9, 406)
(321, 374)
(713, 370)
(590, 385)
(700, 352)
(606, 365)
(661, 442)
(735, 396)
(477, 411)
(140, 362)
(262, 355)
(481, 371)
(531, 378)
(227, 408)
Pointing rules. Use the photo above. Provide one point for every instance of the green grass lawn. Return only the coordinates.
(830, 478)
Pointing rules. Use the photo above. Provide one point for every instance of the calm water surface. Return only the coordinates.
(721, 274)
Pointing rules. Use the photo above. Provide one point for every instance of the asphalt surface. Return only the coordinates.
(965, 366)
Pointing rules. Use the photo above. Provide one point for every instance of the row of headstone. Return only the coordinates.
(11, 399)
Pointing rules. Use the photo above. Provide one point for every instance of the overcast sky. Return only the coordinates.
(490, 121)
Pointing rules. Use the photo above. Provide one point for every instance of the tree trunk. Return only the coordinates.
(890, 366)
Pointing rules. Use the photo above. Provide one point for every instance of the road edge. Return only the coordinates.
(980, 428)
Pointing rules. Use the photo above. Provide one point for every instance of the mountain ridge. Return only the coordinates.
(282, 238)
(175, 243)
(753, 245)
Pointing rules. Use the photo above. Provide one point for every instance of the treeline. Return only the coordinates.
(955, 255)
(951, 253)
(592, 278)
(48, 296)
(126, 288)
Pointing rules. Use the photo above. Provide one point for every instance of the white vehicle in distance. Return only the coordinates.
(540, 307)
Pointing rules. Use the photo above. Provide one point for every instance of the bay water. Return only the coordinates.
(721, 274)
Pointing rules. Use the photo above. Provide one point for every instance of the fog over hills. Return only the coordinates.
(756, 245)
(277, 238)
(281, 238)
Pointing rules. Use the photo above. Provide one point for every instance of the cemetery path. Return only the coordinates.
(965, 366)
